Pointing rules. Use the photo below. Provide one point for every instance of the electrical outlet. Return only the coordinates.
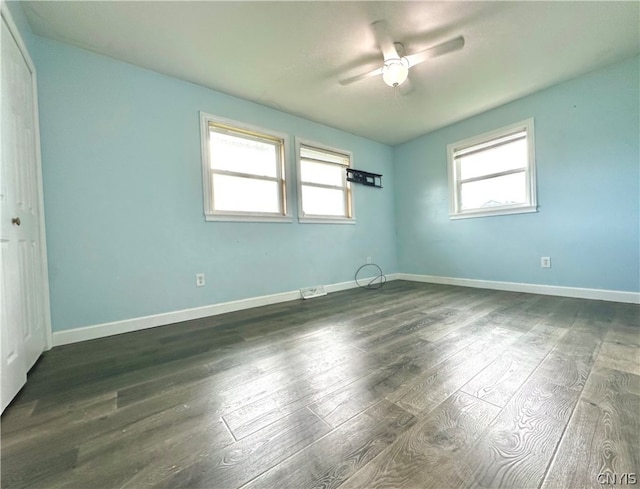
(199, 279)
(545, 262)
(368, 260)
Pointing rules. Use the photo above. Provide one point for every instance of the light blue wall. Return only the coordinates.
(123, 195)
(587, 152)
(123, 198)
(15, 10)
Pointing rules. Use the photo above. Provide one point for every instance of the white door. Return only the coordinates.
(24, 313)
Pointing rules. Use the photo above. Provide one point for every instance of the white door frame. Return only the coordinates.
(6, 15)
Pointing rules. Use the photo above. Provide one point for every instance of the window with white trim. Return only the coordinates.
(323, 189)
(243, 172)
(494, 173)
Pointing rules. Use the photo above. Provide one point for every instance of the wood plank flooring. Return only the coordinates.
(410, 386)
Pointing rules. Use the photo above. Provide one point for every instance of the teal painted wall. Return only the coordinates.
(123, 198)
(587, 152)
(123, 195)
(15, 10)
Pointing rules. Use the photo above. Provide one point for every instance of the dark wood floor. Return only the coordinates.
(410, 386)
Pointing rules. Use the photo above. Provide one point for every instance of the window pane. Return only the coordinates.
(313, 172)
(493, 160)
(323, 201)
(245, 194)
(245, 155)
(505, 190)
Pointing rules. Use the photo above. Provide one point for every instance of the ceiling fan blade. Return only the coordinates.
(432, 52)
(385, 43)
(353, 79)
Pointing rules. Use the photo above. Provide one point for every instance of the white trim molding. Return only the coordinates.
(483, 142)
(350, 217)
(86, 333)
(252, 133)
(575, 292)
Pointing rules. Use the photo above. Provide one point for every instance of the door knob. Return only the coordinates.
(16, 221)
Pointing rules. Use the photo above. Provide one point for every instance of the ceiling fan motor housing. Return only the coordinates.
(395, 71)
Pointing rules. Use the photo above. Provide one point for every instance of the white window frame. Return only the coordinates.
(211, 214)
(346, 186)
(530, 205)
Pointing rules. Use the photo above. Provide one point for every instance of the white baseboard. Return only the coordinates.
(127, 325)
(85, 333)
(576, 292)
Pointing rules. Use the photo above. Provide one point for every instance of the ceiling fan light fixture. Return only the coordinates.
(395, 71)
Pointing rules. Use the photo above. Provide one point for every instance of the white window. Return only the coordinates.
(493, 173)
(243, 172)
(324, 193)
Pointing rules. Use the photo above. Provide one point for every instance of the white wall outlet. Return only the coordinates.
(368, 260)
(199, 279)
(545, 262)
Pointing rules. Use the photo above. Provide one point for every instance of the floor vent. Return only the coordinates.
(311, 292)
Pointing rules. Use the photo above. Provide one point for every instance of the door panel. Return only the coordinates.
(12, 366)
(33, 314)
(23, 280)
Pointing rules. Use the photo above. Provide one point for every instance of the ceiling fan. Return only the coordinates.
(395, 69)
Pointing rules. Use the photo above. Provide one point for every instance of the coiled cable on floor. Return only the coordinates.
(376, 282)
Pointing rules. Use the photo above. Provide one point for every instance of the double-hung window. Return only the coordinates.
(323, 189)
(493, 173)
(243, 172)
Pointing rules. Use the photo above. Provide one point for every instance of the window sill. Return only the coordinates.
(325, 220)
(504, 211)
(246, 218)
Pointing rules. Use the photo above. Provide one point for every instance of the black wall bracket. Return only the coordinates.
(364, 177)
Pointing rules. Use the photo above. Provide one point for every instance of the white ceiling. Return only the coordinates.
(289, 55)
